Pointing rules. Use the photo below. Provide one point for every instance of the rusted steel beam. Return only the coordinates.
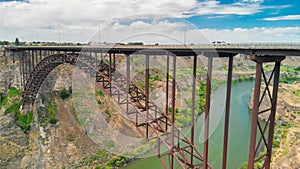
(110, 73)
(40, 55)
(173, 113)
(167, 90)
(273, 113)
(207, 111)
(257, 100)
(147, 94)
(193, 106)
(255, 111)
(227, 112)
(127, 81)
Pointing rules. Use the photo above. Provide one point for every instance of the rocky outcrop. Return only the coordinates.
(287, 102)
(13, 143)
(10, 130)
(9, 75)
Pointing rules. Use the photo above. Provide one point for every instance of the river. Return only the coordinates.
(239, 130)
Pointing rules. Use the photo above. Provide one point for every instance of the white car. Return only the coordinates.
(220, 43)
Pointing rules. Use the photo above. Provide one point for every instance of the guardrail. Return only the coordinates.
(294, 46)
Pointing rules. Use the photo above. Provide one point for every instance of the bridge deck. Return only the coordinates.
(179, 50)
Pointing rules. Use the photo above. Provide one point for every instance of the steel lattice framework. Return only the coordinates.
(152, 122)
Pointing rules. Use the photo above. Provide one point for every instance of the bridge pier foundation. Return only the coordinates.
(254, 155)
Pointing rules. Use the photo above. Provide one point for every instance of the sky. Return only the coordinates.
(151, 21)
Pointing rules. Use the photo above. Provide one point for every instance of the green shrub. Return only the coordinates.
(70, 137)
(99, 93)
(53, 120)
(24, 121)
(107, 113)
(297, 93)
(117, 161)
(4, 101)
(64, 94)
(47, 114)
(14, 92)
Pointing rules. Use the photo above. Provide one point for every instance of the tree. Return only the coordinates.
(17, 42)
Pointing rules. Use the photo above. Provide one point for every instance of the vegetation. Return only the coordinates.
(64, 93)
(47, 114)
(289, 79)
(99, 93)
(117, 162)
(4, 43)
(38, 43)
(24, 121)
(243, 78)
(101, 155)
(135, 43)
(185, 71)
(280, 134)
(13, 108)
(12, 103)
(70, 137)
(290, 74)
(297, 93)
(17, 42)
(258, 164)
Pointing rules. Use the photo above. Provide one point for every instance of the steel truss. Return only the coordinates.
(150, 120)
(264, 140)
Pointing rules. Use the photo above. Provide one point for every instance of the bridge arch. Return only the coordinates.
(40, 73)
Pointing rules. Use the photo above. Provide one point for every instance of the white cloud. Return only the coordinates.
(238, 8)
(173, 33)
(287, 17)
(255, 35)
(77, 20)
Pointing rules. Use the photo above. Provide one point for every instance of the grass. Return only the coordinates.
(189, 71)
(14, 108)
(117, 162)
(47, 114)
(289, 79)
(13, 94)
(99, 93)
(290, 74)
(70, 137)
(12, 103)
(24, 121)
(297, 93)
(289, 69)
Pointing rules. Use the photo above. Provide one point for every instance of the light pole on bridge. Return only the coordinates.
(186, 14)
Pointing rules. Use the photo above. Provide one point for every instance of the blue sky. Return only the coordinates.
(151, 21)
(270, 9)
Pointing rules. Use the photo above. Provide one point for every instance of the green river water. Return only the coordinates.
(239, 130)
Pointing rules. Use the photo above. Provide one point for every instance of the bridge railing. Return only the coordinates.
(234, 46)
(261, 46)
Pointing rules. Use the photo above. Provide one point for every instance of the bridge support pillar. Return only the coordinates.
(207, 111)
(265, 140)
(147, 94)
(227, 112)
(172, 151)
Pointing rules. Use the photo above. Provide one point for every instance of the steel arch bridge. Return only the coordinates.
(38, 62)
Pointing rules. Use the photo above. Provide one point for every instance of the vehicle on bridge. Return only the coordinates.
(220, 43)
